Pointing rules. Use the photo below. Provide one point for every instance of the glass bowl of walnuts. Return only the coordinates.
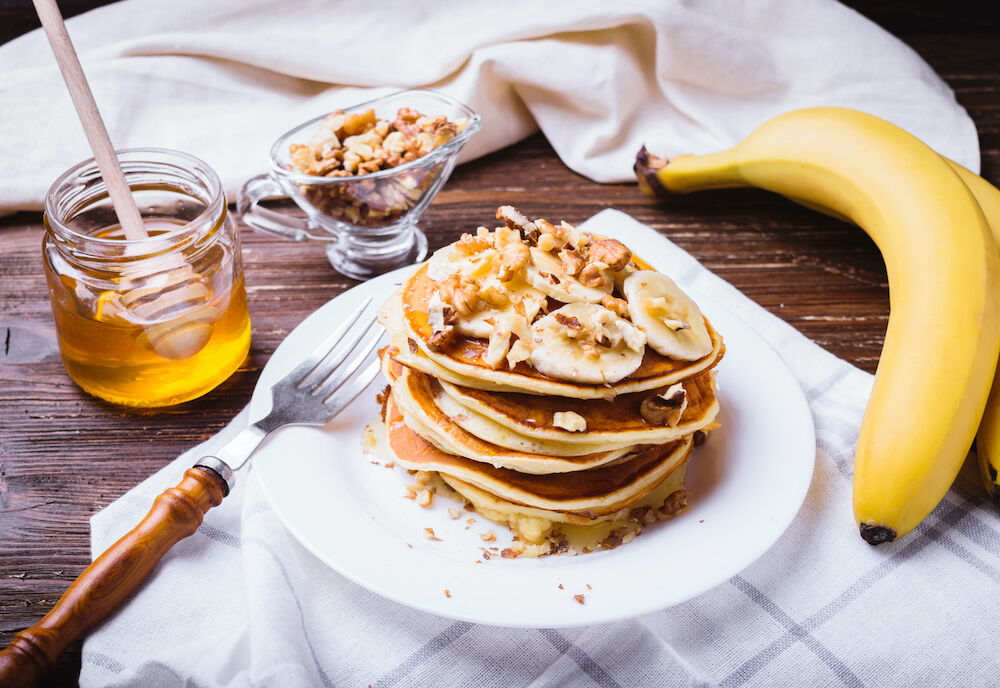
(362, 176)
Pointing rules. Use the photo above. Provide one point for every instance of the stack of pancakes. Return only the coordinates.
(540, 454)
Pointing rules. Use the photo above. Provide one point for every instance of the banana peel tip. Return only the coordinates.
(876, 535)
(645, 168)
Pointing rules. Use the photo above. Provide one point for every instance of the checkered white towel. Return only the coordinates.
(241, 603)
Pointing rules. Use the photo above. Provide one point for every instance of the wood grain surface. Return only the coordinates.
(64, 455)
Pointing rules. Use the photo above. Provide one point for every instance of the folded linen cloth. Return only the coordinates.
(222, 80)
(241, 603)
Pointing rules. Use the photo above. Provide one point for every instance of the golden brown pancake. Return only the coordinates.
(463, 356)
(592, 493)
(415, 394)
(615, 422)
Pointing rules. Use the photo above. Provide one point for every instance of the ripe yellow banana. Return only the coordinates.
(988, 437)
(943, 335)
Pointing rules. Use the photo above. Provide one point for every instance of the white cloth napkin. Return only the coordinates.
(223, 79)
(241, 603)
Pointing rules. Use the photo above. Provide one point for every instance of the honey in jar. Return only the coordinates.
(155, 321)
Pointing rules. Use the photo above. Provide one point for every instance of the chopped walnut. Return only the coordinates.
(488, 536)
(440, 316)
(666, 408)
(513, 218)
(429, 534)
(461, 294)
(594, 275)
(617, 306)
(569, 322)
(573, 262)
(454, 513)
(613, 253)
(493, 295)
(514, 258)
(471, 245)
(425, 498)
(674, 502)
(611, 541)
(569, 420)
(579, 598)
(441, 338)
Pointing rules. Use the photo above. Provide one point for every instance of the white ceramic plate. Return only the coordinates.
(746, 484)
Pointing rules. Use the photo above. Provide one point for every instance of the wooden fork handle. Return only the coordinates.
(112, 577)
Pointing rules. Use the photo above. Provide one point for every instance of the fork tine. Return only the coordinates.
(346, 393)
(302, 370)
(359, 353)
(336, 359)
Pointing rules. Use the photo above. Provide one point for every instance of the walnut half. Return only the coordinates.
(666, 408)
(611, 252)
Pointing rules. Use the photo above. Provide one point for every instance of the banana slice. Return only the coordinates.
(673, 323)
(449, 260)
(586, 343)
(546, 273)
(497, 302)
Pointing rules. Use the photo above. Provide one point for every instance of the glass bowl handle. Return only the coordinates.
(250, 211)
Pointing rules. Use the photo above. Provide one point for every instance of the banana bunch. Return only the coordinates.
(928, 218)
(988, 437)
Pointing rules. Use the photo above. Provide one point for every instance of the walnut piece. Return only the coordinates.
(515, 219)
(665, 409)
(514, 258)
(613, 253)
(674, 502)
(440, 316)
(471, 245)
(594, 275)
(569, 322)
(461, 294)
(572, 260)
(617, 306)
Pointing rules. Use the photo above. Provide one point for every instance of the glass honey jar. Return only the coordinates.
(154, 321)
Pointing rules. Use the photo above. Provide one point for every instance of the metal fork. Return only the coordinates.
(311, 394)
(315, 391)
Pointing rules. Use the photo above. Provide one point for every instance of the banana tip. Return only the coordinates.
(876, 535)
(645, 168)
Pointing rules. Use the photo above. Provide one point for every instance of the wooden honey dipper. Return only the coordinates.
(177, 295)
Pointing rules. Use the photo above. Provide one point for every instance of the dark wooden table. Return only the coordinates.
(65, 455)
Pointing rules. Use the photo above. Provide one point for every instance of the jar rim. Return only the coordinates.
(206, 175)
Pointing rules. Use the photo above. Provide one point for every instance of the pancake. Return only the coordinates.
(495, 433)
(524, 369)
(589, 494)
(414, 394)
(616, 423)
(464, 356)
(533, 525)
